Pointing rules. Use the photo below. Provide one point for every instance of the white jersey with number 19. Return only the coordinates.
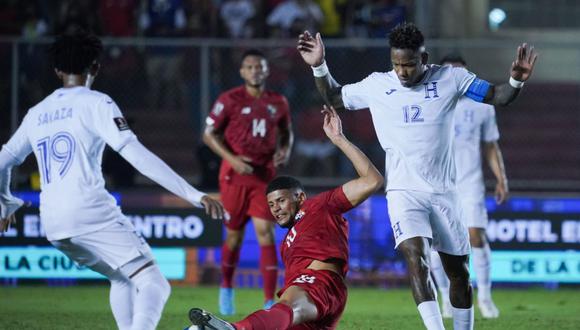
(413, 124)
(67, 132)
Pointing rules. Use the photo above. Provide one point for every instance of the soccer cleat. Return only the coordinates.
(488, 309)
(204, 320)
(269, 303)
(446, 310)
(226, 301)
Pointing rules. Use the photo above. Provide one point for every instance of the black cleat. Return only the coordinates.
(206, 320)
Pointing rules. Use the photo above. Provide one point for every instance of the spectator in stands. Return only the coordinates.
(118, 17)
(333, 18)
(291, 17)
(237, 15)
(164, 19)
(374, 19)
(75, 15)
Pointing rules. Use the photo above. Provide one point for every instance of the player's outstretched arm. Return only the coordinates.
(312, 51)
(8, 203)
(521, 70)
(215, 142)
(155, 169)
(495, 161)
(369, 180)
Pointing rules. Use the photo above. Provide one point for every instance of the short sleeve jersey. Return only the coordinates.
(250, 128)
(67, 132)
(319, 233)
(474, 123)
(414, 124)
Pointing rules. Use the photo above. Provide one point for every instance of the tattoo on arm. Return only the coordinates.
(330, 91)
(503, 94)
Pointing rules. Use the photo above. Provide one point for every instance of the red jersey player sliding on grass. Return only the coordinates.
(315, 249)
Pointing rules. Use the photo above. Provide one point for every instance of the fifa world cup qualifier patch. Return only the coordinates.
(121, 123)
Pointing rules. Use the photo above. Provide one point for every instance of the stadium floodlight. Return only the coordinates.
(496, 17)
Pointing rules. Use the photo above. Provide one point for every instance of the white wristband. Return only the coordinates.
(516, 83)
(321, 70)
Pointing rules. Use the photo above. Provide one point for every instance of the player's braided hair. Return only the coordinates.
(74, 53)
(406, 36)
(284, 182)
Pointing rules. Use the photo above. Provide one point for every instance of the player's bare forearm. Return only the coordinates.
(495, 161)
(503, 94)
(286, 138)
(214, 141)
(369, 180)
(330, 90)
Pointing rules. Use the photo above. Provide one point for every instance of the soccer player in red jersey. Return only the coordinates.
(249, 127)
(315, 249)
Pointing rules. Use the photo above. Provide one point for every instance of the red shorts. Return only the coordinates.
(243, 202)
(328, 292)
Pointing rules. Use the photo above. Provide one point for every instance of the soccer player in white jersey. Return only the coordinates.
(475, 125)
(412, 110)
(67, 132)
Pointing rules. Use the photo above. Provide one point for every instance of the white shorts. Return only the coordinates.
(434, 216)
(116, 247)
(474, 213)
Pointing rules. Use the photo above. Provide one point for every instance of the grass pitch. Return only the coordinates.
(87, 307)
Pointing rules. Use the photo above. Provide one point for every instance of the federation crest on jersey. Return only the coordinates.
(272, 110)
(299, 215)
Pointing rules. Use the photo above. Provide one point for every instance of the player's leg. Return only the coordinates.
(122, 292)
(416, 251)
(481, 254)
(264, 225)
(268, 258)
(235, 201)
(409, 216)
(451, 239)
(442, 283)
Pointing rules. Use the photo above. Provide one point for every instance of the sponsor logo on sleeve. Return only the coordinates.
(121, 123)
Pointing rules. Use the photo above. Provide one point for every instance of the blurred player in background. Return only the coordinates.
(67, 132)
(315, 249)
(249, 127)
(475, 125)
(412, 110)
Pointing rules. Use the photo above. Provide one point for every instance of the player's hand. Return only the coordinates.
(281, 157)
(523, 66)
(311, 48)
(213, 208)
(332, 124)
(7, 209)
(241, 166)
(501, 192)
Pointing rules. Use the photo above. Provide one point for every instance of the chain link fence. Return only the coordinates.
(166, 87)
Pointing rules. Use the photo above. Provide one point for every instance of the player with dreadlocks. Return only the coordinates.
(67, 132)
(412, 108)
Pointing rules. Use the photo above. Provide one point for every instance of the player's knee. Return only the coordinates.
(459, 274)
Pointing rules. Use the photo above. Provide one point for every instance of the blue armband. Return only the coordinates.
(478, 89)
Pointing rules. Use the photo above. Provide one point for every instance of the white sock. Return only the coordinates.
(462, 318)
(439, 275)
(121, 297)
(482, 268)
(431, 315)
(152, 292)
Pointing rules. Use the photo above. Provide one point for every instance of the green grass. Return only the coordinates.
(87, 307)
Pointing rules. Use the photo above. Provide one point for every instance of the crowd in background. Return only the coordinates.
(202, 18)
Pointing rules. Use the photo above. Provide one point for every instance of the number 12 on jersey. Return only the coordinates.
(57, 149)
(412, 114)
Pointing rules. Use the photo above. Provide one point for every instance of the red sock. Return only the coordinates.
(279, 317)
(229, 263)
(269, 269)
